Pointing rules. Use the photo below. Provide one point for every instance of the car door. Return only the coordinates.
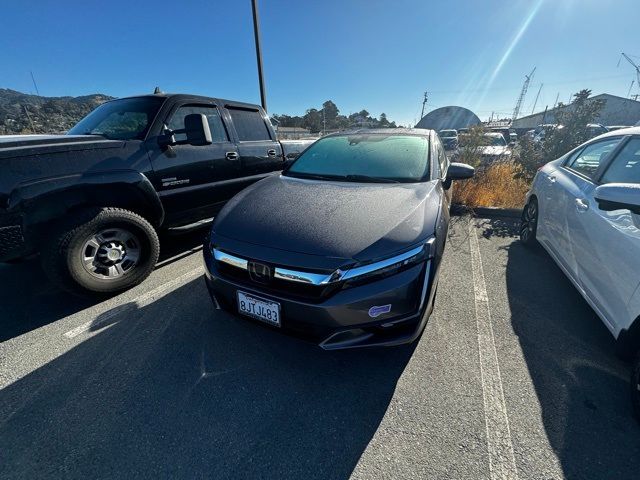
(606, 245)
(260, 152)
(191, 179)
(566, 191)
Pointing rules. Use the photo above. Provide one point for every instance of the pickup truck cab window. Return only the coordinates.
(250, 125)
(123, 119)
(218, 132)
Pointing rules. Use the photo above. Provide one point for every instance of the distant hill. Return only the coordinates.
(24, 113)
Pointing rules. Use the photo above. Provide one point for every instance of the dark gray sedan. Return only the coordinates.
(343, 248)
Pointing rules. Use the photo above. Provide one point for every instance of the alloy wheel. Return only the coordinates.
(110, 253)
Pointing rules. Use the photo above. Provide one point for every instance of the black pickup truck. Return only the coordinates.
(92, 201)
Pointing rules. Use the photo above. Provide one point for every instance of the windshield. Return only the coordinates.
(366, 158)
(447, 133)
(126, 119)
(493, 141)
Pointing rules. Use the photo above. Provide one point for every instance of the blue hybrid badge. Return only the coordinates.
(376, 311)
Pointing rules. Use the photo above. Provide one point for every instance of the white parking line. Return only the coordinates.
(141, 301)
(502, 462)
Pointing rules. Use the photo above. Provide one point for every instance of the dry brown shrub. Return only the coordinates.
(497, 185)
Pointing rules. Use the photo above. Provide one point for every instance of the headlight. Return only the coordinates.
(388, 266)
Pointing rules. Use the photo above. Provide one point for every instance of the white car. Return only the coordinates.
(584, 209)
(492, 147)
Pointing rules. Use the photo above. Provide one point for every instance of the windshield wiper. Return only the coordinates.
(313, 176)
(367, 178)
(103, 135)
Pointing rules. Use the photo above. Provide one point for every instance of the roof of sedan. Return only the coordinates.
(418, 132)
(621, 131)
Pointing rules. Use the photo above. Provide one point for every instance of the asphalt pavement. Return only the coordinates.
(514, 377)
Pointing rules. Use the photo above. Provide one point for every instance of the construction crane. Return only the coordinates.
(628, 59)
(523, 92)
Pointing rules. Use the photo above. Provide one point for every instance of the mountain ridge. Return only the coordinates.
(24, 113)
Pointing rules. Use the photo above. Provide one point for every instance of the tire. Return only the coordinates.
(101, 251)
(529, 223)
(635, 386)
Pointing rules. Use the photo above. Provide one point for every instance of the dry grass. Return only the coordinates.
(497, 185)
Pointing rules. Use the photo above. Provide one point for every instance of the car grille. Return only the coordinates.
(274, 286)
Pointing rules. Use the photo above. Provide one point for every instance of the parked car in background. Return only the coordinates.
(595, 129)
(506, 133)
(91, 202)
(449, 139)
(344, 247)
(584, 209)
(491, 147)
(612, 128)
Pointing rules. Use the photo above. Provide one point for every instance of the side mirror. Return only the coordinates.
(618, 196)
(196, 127)
(458, 171)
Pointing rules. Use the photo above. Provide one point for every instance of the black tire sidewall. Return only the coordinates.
(70, 241)
(531, 240)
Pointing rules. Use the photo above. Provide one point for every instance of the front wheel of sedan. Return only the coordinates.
(103, 251)
(529, 223)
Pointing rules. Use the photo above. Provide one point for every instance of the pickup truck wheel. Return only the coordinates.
(102, 251)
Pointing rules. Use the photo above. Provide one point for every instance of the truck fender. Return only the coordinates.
(48, 199)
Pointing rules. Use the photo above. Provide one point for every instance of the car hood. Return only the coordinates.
(12, 146)
(340, 220)
(493, 150)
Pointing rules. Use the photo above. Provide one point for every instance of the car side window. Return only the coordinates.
(589, 159)
(625, 168)
(218, 132)
(249, 124)
(443, 161)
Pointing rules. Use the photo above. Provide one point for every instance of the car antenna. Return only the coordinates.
(157, 91)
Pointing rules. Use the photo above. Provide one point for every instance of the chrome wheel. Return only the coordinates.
(110, 253)
(529, 222)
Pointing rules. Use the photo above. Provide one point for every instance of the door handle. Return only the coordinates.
(271, 152)
(581, 205)
(231, 155)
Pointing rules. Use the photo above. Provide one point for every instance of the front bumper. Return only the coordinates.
(342, 320)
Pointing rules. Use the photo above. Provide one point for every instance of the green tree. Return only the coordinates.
(574, 119)
(331, 113)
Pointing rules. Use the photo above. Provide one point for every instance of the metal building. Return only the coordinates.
(616, 111)
(448, 118)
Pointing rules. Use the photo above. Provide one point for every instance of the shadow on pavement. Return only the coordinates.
(177, 389)
(582, 387)
(29, 301)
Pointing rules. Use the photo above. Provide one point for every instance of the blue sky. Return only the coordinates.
(378, 55)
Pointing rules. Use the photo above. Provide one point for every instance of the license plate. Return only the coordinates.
(259, 308)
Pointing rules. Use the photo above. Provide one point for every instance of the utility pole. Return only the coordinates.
(556, 102)
(536, 102)
(544, 115)
(424, 103)
(523, 92)
(256, 34)
(34, 84)
(630, 87)
(33, 128)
